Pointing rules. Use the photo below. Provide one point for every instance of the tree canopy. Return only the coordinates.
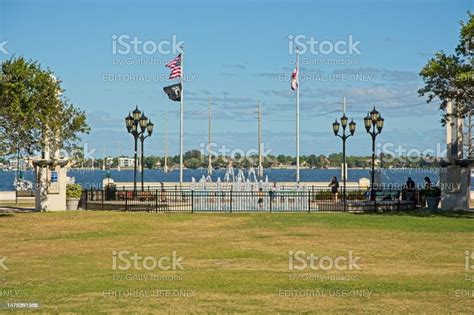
(451, 77)
(33, 110)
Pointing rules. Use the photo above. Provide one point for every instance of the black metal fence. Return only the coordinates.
(312, 200)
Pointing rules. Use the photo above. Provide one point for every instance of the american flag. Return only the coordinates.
(175, 66)
(294, 79)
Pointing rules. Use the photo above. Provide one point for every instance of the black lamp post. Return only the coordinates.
(149, 128)
(344, 136)
(373, 123)
(137, 124)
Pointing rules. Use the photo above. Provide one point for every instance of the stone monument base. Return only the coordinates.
(51, 178)
(455, 187)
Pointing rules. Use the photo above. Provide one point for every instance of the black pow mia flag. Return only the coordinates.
(174, 92)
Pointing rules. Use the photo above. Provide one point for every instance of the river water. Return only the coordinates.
(93, 178)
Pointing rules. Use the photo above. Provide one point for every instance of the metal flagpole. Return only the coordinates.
(165, 168)
(103, 155)
(344, 164)
(209, 168)
(181, 122)
(260, 166)
(298, 116)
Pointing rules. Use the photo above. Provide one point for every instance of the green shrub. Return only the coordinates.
(322, 195)
(356, 195)
(73, 191)
(327, 194)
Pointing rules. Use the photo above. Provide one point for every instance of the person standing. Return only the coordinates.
(272, 192)
(163, 198)
(334, 184)
(260, 198)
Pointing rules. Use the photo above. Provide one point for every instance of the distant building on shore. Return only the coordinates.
(109, 161)
(126, 161)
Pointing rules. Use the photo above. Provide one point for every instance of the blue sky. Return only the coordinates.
(238, 53)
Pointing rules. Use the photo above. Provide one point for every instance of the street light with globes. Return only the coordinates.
(373, 123)
(335, 128)
(137, 124)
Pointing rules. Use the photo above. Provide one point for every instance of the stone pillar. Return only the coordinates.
(342, 172)
(51, 176)
(454, 135)
(455, 187)
(41, 189)
(455, 176)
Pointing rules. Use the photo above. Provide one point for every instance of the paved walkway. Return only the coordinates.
(16, 209)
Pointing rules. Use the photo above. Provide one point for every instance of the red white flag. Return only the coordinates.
(175, 66)
(294, 79)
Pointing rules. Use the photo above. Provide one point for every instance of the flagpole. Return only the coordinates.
(209, 167)
(181, 122)
(344, 164)
(165, 169)
(260, 165)
(298, 117)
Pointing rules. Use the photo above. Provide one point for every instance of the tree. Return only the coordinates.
(451, 77)
(193, 154)
(34, 116)
(221, 162)
(150, 161)
(335, 159)
(193, 163)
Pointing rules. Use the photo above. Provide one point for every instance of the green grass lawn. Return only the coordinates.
(237, 262)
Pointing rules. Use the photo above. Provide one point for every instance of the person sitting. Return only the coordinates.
(428, 184)
(410, 184)
(409, 189)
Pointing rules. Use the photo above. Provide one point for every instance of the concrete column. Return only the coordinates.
(455, 179)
